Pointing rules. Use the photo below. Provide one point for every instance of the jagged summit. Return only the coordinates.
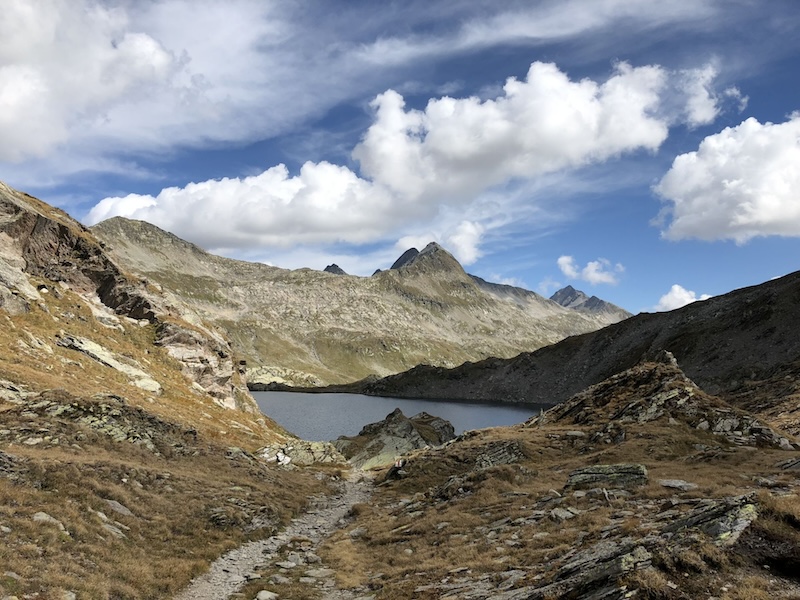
(405, 258)
(335, 269)
(569, 297)
(432, 258)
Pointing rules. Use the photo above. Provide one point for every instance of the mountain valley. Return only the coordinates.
(134, 463)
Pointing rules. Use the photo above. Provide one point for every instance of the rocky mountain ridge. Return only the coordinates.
(310, 328)
(569, 297)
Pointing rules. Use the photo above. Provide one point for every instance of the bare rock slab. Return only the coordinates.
(608, 476)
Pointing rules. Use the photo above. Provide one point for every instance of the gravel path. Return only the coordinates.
(232, 570)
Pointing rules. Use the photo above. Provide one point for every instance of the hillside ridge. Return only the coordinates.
(310, 328)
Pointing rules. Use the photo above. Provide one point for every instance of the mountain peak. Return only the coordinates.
(335, 269)
(432, 258)
(569, 297)
(405, 258)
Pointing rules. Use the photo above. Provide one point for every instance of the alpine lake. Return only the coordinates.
(326, 416)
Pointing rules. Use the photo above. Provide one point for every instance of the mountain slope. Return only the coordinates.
(742, 346)
(310, 328)
(127, 437)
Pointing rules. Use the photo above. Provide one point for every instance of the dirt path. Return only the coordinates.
(232, 570)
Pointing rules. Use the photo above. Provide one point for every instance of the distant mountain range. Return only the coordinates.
(308, 328)
(742, 346)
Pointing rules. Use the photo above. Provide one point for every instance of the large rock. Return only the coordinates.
(127, 366)
(378, 444)
(608, 476)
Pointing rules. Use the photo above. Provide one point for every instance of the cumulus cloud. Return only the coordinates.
(67, 62)
(542, 124)
(677, 297)
(740, 183)
(439, 164)
(595, 272)
(324, 203)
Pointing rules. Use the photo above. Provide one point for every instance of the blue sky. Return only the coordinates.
(646, 152)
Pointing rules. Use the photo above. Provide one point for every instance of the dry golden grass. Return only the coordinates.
(168, 540)
(414, 536)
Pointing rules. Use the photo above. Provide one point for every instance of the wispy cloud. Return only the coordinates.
(594, 272)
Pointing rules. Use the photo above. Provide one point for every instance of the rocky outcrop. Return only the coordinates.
(56, 418)
(608, 476)
(37, 240)
(335, 269)
(127, 366)
(379, 444)
(660, 390)
(205, 358)
(302, 452)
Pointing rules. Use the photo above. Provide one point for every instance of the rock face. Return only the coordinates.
(307, 326)
(405, 258)
(608, 476)
(379, 444)
(569, 297)
(741, 346)
(335, 269)
(37, 240)
(653, 391)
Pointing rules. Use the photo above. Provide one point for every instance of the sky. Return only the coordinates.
(644, 152)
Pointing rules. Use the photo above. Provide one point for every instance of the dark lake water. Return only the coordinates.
(321, 417)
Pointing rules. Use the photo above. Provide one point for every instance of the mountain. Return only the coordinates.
(741, 346)
(569, 297)
(127, 435)
(335, 269)
(133, 461)
(311, 328)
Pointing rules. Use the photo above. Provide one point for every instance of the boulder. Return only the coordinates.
(608, 476)
(379, 444)
(302, 452)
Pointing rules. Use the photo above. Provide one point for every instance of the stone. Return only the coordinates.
(118, 508)
(379, 444)
(561, 514)
(320, 573)
(113, 530)
(609, 476)
(358, 532)
(124, 365)
(266, 595)
(500, 453)
(43, 517)
(285, 564)
(678, 484)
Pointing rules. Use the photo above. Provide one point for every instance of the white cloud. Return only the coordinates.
(464, 241)
(457, 147)
(324, 203)
(677, 297)
(568, 267)
(701, 103)
(62, 65)
(433, 169)
(97, 80)
(741, 183)
(595, 272)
